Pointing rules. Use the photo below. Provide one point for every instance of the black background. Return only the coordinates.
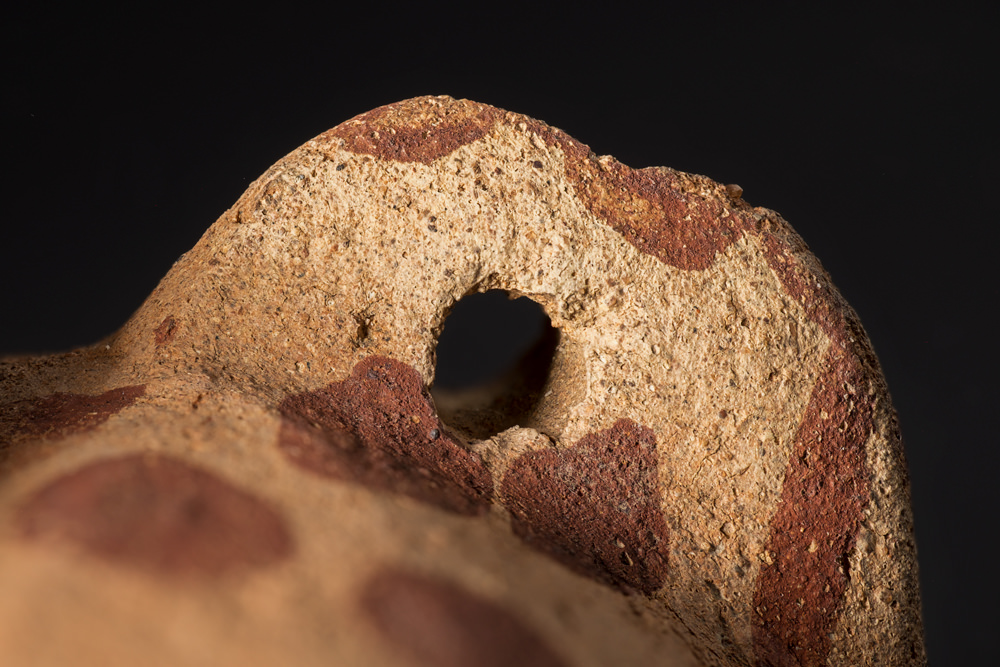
(872, 132)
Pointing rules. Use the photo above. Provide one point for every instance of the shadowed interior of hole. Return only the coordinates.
(493, 360)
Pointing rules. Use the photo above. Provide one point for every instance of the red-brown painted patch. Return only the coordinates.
(664, 214)
(379, 428)
(164, 333)
(438, 624)
(596, 507)
(64, 413)
(825, 491)
(651, 212)
(651, 208)
(157, 513)
(804, 279)
(417, 130)
(827, 481)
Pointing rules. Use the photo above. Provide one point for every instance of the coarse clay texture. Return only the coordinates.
(253, 470)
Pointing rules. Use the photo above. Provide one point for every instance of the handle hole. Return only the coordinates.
(494, 356)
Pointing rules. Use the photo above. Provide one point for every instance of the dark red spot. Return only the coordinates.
(157, 513)
(164, 333)
(417, 130)
(826, 489)
(379, 428)
(439, 624)
(596, 507)
(63, 413)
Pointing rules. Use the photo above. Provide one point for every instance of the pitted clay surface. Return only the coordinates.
(712, 476)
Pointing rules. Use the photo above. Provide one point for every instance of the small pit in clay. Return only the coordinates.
(494, 356)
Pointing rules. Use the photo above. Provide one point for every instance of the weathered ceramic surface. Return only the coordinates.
(252, 469)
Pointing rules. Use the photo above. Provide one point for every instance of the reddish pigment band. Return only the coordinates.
(595, 507)
(379, 428)
(157, 513)
(441, 625)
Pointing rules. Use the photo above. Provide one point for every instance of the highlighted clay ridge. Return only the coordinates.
(712, 473)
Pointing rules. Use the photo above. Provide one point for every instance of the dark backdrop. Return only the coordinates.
(125, 136)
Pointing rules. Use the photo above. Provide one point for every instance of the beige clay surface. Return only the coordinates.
(252, 470)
